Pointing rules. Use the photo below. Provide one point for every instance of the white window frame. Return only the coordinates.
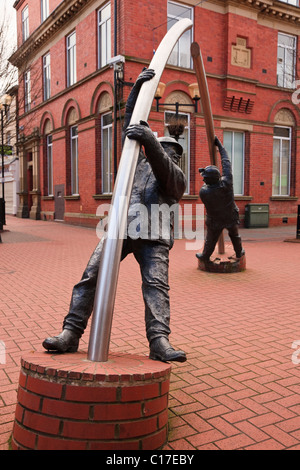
(187, 129)
(104, 29)
(190, 32)
(25, 23)
(74, 161)
(71, 59)
(27, 91)
(232, 158)
(106, 179)
(49, 164)
(285, 76)
(47, 76)
(44, 10)
(281, 138)
(291, 2)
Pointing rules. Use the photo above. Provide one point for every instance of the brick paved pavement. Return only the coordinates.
(239, 388)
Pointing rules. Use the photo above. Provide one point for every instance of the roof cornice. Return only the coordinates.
(64, 13)
(274, 9)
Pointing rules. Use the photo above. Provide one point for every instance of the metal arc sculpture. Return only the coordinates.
(117, 220)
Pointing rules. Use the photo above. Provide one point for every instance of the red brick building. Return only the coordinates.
(71, 99)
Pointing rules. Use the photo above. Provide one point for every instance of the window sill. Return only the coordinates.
(102, 196)
(190, 196)
(243, 198)
(284, 198)
(74, 197)
(47, 198)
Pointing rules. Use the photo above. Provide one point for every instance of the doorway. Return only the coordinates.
(59, 201)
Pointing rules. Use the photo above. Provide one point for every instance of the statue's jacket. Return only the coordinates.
(159, 184)
(221, 210)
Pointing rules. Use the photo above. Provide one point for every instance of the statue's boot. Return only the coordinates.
(161, 350)
(66, 341)
(240, 254)
(202, 257)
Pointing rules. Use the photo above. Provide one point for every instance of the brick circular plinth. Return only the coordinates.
(230, 265)
(66, 402)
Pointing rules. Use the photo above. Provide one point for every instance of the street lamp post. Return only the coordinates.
(5, 101)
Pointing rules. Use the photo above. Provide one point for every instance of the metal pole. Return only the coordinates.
(117, 221)
(2, 211)
(115, 93)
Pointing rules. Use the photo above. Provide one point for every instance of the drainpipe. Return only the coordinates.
(115, 92)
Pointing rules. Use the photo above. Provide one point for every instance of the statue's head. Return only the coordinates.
(171, 147)
(210, 174)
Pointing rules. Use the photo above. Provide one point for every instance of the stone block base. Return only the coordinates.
(66, 402)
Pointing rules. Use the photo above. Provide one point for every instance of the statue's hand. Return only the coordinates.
(218, 143)
(144, 76)
(140, 132)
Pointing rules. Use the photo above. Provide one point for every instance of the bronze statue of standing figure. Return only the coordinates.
(158, 180)
(221, 211)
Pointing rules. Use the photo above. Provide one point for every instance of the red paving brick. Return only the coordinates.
(239, 388)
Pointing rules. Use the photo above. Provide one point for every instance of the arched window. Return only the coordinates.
(104, 153)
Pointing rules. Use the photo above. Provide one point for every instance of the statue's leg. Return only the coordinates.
(82, 300)
(153, 259)
(236, 240)
(81, 305)
(212, 237)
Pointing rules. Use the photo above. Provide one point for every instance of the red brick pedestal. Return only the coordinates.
(67, 402)
(219, 265)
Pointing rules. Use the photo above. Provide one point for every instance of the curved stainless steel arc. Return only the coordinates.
(111, 254)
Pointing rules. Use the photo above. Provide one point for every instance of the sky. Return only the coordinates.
(7, 14)
(6, 8)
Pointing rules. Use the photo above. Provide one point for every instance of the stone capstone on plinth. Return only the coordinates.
(66, 402)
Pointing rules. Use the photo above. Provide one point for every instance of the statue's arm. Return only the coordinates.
(144, 76)
(170, 177)
(225, 162)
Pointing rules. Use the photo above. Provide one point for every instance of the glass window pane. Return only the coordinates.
(238, 180)
(286, 60)
(228, 144)
(276, 168)
(107, 119)
(108, 41)
(184, 48)
(71, 56)
(234, 144)
(105, 13)
(106, 153)
(50, 165)
(105, 161)
(44, 9)
(184, 162)
(282, 132)
(104, 35)
(74, 160)
(180, 55)
(281, 161)
(285, 161)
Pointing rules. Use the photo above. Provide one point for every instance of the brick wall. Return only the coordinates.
(216, 30)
